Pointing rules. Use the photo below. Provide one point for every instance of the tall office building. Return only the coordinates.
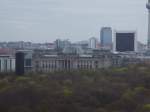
(24, 61)
(58, 44)
(148, 7)
(61, 44)
(125, 41)
(19, 63)
(106, 37)
(93, 43)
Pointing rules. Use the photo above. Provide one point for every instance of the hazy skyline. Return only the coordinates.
(47, 20)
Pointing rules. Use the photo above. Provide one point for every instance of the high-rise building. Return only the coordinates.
(61, 44)
(93, 43)
(106, 37)
(58, 44)
(23, 61)
(125, 41)
(148, 7)
(19, 63)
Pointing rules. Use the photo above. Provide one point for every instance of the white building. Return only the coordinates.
(93, 43)
(7, 63)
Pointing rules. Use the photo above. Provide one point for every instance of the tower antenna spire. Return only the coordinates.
(148, 7)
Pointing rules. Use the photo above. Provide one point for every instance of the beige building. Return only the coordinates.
(50, 63)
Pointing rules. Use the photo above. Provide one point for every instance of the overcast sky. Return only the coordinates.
(47, 20)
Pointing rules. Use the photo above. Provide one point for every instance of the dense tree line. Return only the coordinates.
(107, 90)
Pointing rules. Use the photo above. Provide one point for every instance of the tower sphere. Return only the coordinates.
(148, 6)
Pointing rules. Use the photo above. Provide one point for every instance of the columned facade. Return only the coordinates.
(70, 62)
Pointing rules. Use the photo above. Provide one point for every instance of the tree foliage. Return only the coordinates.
(107, 90)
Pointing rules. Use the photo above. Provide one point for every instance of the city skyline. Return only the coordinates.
(47, 20)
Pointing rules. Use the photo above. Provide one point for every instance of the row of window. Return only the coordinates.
(68, 61)
(5, 65)
(67, 64)
(84, 66)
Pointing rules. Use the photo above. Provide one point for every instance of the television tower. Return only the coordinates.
(148, 7)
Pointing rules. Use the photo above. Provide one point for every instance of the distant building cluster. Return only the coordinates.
(112, 49)
(113, 40)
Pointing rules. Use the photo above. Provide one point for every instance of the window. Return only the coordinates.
(5, 65)
(10, 64)
(28, 62)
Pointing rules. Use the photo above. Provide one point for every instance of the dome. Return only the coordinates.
(73, 50)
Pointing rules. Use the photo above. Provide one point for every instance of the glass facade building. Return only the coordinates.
(125, 42)
(106, 37)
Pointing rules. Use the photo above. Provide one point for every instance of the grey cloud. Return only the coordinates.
(74, 19)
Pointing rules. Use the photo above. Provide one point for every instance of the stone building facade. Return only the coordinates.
(64, 62)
